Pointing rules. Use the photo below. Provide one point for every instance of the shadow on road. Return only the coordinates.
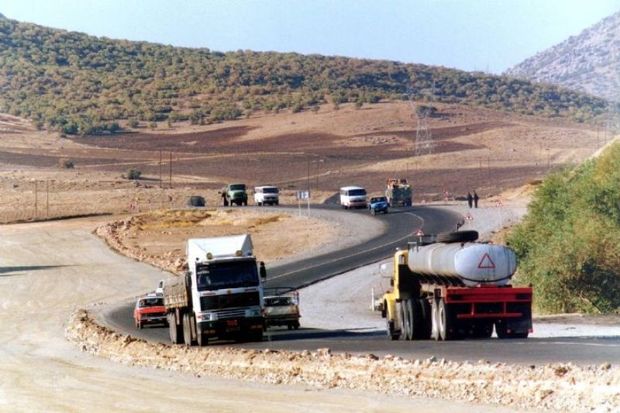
(10, 271)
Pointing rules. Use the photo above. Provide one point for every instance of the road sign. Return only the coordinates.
(419, 233)
(303, 194)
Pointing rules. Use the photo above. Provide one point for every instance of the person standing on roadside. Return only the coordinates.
(476, 198)
(470, 199)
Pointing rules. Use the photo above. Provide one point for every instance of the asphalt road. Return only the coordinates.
(400, 224)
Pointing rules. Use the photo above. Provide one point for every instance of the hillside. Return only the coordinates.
(588, 62)
(80, 84)
(569, 243)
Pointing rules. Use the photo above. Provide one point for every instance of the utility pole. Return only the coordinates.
(36, 200)
(170, 174)
(160, 182)
(47, 198)
(308, 183)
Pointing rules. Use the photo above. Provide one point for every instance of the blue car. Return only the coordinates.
(378, 204)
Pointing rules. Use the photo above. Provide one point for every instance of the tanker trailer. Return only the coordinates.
(448, 286)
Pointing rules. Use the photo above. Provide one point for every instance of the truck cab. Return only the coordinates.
(236, 194)
(221, 295)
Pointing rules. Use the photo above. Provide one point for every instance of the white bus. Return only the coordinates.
(352, 197)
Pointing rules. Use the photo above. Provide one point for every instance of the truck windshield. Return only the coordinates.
(357, 192)
(228, 274)
(151, 302)
(270, 190)
(237, 187)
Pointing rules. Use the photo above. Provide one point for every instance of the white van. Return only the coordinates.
(353, 197)
(267, 194)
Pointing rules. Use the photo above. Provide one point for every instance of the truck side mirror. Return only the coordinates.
(262, 271)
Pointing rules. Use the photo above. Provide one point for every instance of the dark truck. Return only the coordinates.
(235, 194)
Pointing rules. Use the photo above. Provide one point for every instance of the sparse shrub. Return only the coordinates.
(66, 163)
(133, 174)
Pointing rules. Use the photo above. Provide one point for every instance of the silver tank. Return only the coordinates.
(473, 263)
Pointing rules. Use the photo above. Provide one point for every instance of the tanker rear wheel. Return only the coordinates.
(445, 319)
(434, 321)
(408, 319)
(425, 326)
(402, 315)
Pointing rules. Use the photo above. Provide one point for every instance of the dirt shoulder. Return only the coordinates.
(551, 387)
(279, 235)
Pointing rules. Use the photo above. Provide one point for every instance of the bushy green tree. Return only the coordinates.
(569, 243)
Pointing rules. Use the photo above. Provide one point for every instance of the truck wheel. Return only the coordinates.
(424, 331)
(187, 330)
(201, 338)
(177, 327)
(172, 328)
(389, 328)
(458, 236)
(445, 319)
(401, 320)
(409, 320)
(256, 335)
(434, 320)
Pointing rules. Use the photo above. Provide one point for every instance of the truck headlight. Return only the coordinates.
(207, 317)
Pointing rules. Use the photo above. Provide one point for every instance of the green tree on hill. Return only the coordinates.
(569, 242)
(57, 78)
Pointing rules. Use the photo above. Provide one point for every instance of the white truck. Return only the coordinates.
(221, 294)
(266, 195)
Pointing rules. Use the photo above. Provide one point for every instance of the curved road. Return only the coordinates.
(400, 224)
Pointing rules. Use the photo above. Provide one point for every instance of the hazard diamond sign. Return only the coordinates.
(486, 262)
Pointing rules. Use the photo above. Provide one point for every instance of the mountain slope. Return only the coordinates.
(589, 62)
(82, 84)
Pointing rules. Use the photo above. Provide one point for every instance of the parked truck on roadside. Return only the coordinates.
(447, 286)
(398, 192)
(221, 294)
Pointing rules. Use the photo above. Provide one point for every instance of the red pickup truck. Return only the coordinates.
(150, 310)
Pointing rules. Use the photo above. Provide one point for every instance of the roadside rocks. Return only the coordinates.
(557, 387)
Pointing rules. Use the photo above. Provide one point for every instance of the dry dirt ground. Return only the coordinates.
(49, 269)
(469, 149)
(159, 237)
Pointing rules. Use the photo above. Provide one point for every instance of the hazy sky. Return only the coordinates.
(489, 35)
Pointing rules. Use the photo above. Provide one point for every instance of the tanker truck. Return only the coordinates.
(221, 294)
(447, 286)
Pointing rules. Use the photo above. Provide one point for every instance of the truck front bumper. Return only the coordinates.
(231, 326)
